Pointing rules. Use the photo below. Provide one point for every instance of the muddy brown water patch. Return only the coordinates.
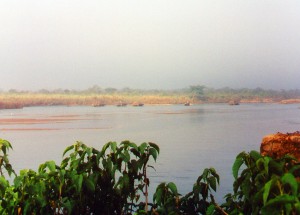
(33, 120)
(50, 129)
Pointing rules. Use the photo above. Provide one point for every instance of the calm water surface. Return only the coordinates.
(191, 138)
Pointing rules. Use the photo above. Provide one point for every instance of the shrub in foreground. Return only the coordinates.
(114, 180)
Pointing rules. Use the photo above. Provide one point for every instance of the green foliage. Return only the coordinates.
(197, 201)
(87, 181)
(4, 162)
(166, 199)
(264, 186)
(113, 179)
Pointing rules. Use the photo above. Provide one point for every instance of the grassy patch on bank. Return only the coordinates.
(19, 100)
(97, 96)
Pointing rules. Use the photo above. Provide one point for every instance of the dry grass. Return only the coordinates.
(19, 100)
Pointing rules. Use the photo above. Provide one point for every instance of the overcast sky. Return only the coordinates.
(149, 44)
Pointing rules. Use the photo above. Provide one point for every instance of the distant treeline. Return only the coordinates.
(96, 96)
(246, 94)
(207, 91)
(98, 90)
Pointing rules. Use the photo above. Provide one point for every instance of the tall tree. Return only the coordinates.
(197, 92)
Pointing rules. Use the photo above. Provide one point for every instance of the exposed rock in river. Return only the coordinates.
(278, 145)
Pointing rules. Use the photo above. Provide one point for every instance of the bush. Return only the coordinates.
(113, 180)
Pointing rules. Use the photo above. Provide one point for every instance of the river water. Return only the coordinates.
(191, 138)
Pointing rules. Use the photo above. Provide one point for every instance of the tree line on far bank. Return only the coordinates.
(195, 92)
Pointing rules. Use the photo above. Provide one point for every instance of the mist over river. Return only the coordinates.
(190, 138)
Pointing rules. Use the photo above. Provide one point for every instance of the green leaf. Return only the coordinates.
(142, 147)
(210, 210)
(245, 186)
(173, 188)
(3, 185)
(113, 146)
(5, 145)
(67, 205)
(64, 163)
(153, 145)
(51, 165)
(79, 179)
(125, 181)
(266, 164)
(89, 183)
(89, 151)
(236, 166)
(68, 149)
(288, 178)
(214, 173)
(17, 181)
(74, 164)
(255, 155)
(205, 174)
(153, 153)
(157, 197)
(266, 192)
(26, 207)
(77, 145)
(141, 212)
(212, 183)
(41, 188)
(281, 200)
(196, 189)
(288, 208)
(95, 151)
(125, 156)
(104, 148)
(42, 168)
(133, 145)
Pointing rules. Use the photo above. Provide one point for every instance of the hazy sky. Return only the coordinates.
(149, 44)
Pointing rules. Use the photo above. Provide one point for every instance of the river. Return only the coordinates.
(191, 138)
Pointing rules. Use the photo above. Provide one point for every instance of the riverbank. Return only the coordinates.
(20, 100)
(15, 101)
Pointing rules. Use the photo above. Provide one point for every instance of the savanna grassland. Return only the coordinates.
(96, 96)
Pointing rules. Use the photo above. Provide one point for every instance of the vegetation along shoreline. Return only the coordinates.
(98, 97)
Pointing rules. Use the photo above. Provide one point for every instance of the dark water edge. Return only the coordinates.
(191, 138)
